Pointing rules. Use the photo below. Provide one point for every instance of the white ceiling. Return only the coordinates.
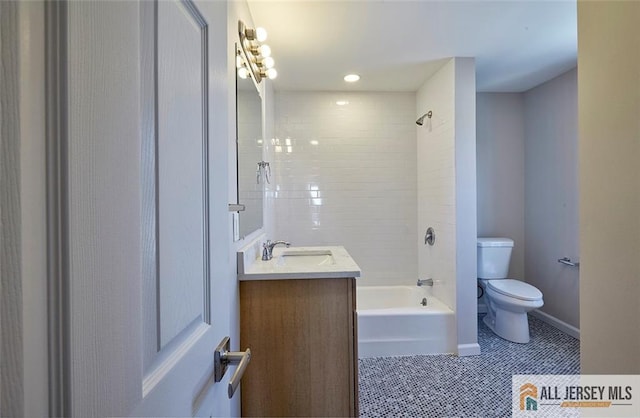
(395, 45)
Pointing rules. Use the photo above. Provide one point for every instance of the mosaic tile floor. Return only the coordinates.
(475, 386)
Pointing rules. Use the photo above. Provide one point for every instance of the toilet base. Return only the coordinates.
(511, 326)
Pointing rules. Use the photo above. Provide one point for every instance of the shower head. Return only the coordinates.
(420, 120)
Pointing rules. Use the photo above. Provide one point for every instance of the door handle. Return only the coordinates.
(224, 358)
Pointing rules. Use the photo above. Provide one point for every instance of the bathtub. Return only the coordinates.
(392, 322)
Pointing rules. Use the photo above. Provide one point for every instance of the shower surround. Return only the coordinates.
(345, 174)
(353, 169)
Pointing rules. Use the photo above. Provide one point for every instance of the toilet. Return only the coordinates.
(508, 300)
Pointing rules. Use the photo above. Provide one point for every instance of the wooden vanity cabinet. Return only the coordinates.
(303, 339)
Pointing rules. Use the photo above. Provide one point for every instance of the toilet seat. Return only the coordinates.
(515, 289)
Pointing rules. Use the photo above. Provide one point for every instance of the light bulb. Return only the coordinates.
(239, 61)
(271, 73)
(243, 72)
(268, 62)
(265, 50)
(351, 78)
(261, 34)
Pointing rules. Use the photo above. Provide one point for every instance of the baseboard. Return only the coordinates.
(556, 323)
(468, 350)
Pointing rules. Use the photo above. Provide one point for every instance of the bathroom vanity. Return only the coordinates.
(297, 314)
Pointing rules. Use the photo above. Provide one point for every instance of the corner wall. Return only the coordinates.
(551, 196)
(466, 208)
(608, 109)
(447, 193)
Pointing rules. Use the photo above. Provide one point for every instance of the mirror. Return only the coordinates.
(251, 175)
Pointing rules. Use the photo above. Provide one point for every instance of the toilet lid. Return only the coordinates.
(515, 288)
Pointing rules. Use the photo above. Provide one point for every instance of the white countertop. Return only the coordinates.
(343, 266)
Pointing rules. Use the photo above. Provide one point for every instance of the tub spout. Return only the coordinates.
(425, 282)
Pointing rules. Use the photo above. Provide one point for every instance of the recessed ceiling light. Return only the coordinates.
(342, 102)
(351, 78)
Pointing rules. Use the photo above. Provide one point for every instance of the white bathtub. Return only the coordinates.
(392, 322)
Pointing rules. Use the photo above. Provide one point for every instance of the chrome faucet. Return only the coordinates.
(425, 282)
(267, 248)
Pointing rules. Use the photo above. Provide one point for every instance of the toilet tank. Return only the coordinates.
(494, 255)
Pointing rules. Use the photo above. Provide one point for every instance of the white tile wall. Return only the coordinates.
(436, 183)
(347, 175)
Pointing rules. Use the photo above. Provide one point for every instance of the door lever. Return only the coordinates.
(224, 358)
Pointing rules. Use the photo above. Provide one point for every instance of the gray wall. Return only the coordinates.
(500, 165)
(527, 160)
(551, 194)
(609, 104)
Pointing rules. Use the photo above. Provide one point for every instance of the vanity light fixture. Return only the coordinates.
(268, 62)
(351, 78)
(269, 73)
(258, 34)
(257, 55)
(264, 50)
(243, 72)
(261, 34)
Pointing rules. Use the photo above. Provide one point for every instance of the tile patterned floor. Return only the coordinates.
(475, 386)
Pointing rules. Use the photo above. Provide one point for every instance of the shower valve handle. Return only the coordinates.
(430, 236)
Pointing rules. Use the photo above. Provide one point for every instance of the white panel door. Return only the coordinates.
(137, 209)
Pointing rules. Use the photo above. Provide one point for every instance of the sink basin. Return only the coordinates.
(327, 262)
(301, 258)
